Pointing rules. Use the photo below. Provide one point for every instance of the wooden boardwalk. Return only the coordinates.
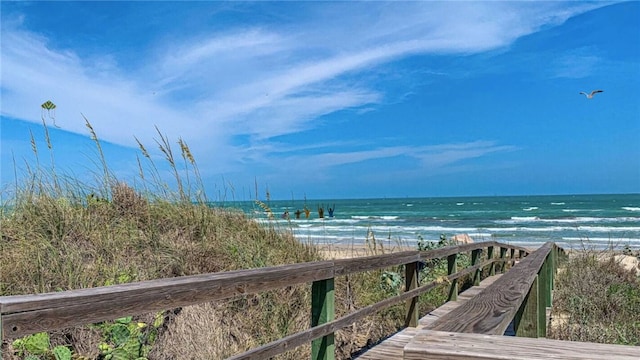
(393, 347)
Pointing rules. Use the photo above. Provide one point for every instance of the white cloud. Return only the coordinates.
(262, 81)
(576, 64)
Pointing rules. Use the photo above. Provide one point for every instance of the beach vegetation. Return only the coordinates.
(596, 299)
(60, 232)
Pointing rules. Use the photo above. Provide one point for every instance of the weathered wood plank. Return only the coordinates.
(475, 258)
(26, 314)
(491, 311)
(452, 268)
(451, 346)
(492, 269)
(410, 283)
(527, 320)
(287, 343)
(367, 263)
(393, 347)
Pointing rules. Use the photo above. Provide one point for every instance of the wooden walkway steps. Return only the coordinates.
(428, 344)
(393, 347)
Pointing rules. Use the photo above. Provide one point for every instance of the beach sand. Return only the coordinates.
(347, 251)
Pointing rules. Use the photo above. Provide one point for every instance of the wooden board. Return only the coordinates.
(393, 347)
(429, 344)
(491, 311)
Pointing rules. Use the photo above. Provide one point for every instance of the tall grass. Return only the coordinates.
(60, 233)
(597, 300)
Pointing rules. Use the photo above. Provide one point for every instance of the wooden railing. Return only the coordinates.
(520, 297)
(26, 314)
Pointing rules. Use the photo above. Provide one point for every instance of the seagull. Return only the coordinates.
(590, 95)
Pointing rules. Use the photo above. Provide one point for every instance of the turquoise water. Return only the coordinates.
(573, 221)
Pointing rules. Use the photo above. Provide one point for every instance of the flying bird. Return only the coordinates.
(590, 95)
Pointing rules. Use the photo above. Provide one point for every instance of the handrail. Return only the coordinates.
(491, 311)
(278, 346)
(25, 314)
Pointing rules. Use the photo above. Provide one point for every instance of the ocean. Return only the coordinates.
(572, 221)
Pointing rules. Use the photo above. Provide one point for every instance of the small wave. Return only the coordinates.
(530, 208)
(572, 220)
(409, 205)
(558, 203)
(579, 210)
(525, 218)
(372, 217)
(460, 204)
(630, 208)
(603, 239)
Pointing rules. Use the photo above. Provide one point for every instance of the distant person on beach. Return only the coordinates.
(306, 211)
(298, 212)
(320, 212)
(331, 210)
(285, 215)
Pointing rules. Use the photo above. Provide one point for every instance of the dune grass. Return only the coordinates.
(59, 233)
(597, 300)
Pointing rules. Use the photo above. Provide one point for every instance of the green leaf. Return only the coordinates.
(132, 347)
(124, 320)
(121, 354)
(62, 353)
(120, 334)
(159, 320)
(37, 344)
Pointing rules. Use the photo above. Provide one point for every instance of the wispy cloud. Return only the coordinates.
(262, 81)
(576, 64)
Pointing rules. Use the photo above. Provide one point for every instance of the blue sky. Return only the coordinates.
(333, 99)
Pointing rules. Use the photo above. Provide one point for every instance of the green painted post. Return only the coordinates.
(492, 267)
(554, 268)
(527, 319)
(451, 269)
(475, 259)
(411, 282)
(547, 266)
(503, 255)
(323, 311)
(544, 295)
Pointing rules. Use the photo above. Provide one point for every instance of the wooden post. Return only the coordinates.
(323, 311)
(512, 255)
(554, 268)
(526, 321)
(503, 253)
(475, 259)
(520, 254)
(544, 295)
(547, 266)
(1, 338)
(411, 282)
(451, 269)
(492, 267)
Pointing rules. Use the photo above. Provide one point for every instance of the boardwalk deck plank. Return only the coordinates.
(428, 344)
(393, 347)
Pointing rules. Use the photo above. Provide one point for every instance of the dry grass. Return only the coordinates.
(60, 234)
(598, 300)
